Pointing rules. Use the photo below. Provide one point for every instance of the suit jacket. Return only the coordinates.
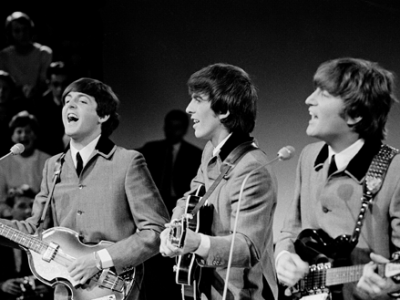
(336, 203)
(114, 199)
(184, 169)
(253, 270)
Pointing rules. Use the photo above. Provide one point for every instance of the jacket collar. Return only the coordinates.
(360, 163)
(234, 140)
(105, 147)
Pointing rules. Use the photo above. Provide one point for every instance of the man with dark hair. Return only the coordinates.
(104, 192)
(223, 110)
(48, 109)
(172, 162)
(354, 214)
(16, 279)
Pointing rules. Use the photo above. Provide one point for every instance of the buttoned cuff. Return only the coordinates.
(105, 258)
(204, 246)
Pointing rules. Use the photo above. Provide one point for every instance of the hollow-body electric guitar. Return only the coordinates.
(50, 257)
(327, 258)
(188, 273)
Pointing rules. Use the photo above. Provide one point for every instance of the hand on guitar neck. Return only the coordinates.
(326, 273)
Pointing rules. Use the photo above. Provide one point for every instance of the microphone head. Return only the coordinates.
(17, 149)
(286, 153)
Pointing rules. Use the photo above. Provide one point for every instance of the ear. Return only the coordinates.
(103, 119)
(223, 116)
(353, 121)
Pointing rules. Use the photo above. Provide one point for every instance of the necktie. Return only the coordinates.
(79, 164)
(332, 166)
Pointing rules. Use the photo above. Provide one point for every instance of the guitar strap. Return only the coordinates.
(227, 165)
(372, 184)
(56, 178)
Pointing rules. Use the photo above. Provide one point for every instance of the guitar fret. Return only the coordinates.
(343, 275)
(23, 239)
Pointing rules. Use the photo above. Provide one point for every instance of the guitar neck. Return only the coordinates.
(341, 275)
(23, 239)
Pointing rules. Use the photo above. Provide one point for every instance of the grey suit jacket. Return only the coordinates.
(253, 252)
(114, 199)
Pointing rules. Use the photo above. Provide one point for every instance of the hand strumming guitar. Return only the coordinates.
(192, 242)
(373, 284)
(290, 269)
(83, 268)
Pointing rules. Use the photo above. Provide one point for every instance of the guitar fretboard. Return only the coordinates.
(23, 239)
(320, 279)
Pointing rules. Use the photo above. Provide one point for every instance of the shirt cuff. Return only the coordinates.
(279, 255)
(204, 246)
(105, 258)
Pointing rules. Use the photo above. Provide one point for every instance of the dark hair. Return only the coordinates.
(177, 114)
(21, 191)
(366, 89)
(21, 17)
(107, 101)
(229, 89)
(22, 119)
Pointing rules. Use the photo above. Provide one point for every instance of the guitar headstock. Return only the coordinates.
(177, 232)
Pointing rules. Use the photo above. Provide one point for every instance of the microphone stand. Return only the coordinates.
(280, 157)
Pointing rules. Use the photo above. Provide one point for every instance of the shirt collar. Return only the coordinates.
(358, 166)
(343, 158)
(85, 152)
(217, 149)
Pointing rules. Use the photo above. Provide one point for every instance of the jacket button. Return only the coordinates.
(325, 209)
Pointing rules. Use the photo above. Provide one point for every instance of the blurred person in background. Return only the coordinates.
(27, 61)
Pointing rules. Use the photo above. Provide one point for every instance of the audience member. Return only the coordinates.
(10, 104)
(26, 168)
(27, 61)
(48, 110)
(16, 278)
(172, 162)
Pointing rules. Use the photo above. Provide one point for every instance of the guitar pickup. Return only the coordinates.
(50, 252)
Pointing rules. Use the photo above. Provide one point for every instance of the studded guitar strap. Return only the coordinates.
(373, 182)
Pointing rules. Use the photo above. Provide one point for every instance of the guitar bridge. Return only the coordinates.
(50, 252)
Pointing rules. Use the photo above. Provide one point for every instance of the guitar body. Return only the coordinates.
(188, 273)
(329, 260)
(49, 259)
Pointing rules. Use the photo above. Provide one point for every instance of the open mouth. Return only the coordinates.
(72, 118)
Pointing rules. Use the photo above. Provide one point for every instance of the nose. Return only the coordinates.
(311, 99)
(189, 108)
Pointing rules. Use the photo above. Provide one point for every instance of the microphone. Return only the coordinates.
(15, 150)
(284, 153)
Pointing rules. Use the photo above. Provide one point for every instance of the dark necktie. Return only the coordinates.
(79, 164)
(332, 166)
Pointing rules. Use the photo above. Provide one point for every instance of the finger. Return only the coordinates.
(378, 258)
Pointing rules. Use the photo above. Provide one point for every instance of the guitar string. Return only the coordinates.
(59, 257)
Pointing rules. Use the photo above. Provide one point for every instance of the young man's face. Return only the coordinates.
(327, 122)
(26, 136)
(22, 208)
(207, 124)
(80, 118)
(21, 33)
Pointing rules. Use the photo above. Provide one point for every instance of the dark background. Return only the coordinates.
(146, 50)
